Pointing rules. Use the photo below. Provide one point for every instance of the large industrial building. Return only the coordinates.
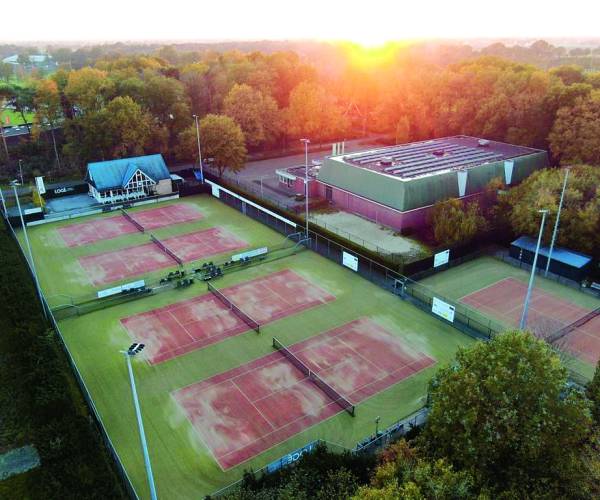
(397, 186)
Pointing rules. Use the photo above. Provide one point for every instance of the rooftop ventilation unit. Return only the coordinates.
(483, 143)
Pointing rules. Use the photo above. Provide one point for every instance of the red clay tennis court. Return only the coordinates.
(547, 314)
(116, 265)
(244, 411)
(84, 233)
(192, 324)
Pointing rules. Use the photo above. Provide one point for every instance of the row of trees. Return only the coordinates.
(515, 211)
(504, 422)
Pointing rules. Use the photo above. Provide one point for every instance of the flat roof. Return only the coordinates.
(434, 156)
(563, 255)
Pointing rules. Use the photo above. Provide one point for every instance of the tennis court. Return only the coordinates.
(244, 411)
(196, 323)
(504, 300)
(111, 266)
(85, 233)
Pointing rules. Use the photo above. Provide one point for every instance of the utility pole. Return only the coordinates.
(199, 152)
(554, 233)
(134, 349)
(306, 143)
(523, 323)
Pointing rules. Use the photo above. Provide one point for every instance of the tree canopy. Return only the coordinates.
(505, 413)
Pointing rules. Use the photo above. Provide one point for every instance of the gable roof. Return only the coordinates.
(115, 174)
(563, 255)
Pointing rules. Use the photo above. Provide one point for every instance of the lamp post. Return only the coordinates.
(377, 420)
(21, 171)
(199, 152)
(3, 204)
(523, 323)
(134, 349)
(306, 143)
(14, 185)
(560, 204)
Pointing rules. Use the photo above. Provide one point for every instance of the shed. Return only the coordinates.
(565, 262)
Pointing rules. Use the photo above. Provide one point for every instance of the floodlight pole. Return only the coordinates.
(3, 204)
(560, 204)
(138, 414)
(21, 171)
(306, 143)
(199, 152)
(523, 323)
(31, 263)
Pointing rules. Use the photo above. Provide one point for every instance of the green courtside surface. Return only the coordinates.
(467, 278)
(183, 467)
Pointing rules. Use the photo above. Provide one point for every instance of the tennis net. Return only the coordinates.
(556, 336)
(166, 250)
(318, 381)
(234, 309)
(132, 220)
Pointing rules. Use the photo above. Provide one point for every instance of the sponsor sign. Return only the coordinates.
(443, 309)
(121, 288)
(350, 261)
(39, 182)
(250, 253)
(215, 190)
(441, 258)
(292, 457)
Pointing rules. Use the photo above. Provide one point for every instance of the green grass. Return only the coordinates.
(467, 278)
(14, 118)
(183, 466)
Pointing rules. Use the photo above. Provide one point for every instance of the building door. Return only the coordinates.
(328, 193)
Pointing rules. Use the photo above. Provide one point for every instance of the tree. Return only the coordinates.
(313, 113)
(456, 222)
(128, 125)
(504, 412)
(6, 71)
(404, 474)
(222, 141)
(256, 114)
(580, 216)
(575, 135)
(89, 89)
(48, 110)
(593, 393)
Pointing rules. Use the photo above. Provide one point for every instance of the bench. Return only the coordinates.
(595, 286)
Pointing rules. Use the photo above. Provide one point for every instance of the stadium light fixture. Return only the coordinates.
(306, 143)
(14, 184)
(199, 152)
(132, 351)
(523, 323)
(560, 204)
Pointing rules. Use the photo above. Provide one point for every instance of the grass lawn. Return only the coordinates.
(13, 117)
(183, 466)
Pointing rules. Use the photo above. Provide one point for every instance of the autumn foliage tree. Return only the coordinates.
(454, 221)
(503, 412)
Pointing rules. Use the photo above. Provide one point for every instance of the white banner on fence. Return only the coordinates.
(443, 309)
(350, 261)
(250, 253)
(215, 190)
(441, 258)
(121, 288)
(39, 182)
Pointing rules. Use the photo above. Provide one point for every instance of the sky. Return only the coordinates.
(367, 21)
